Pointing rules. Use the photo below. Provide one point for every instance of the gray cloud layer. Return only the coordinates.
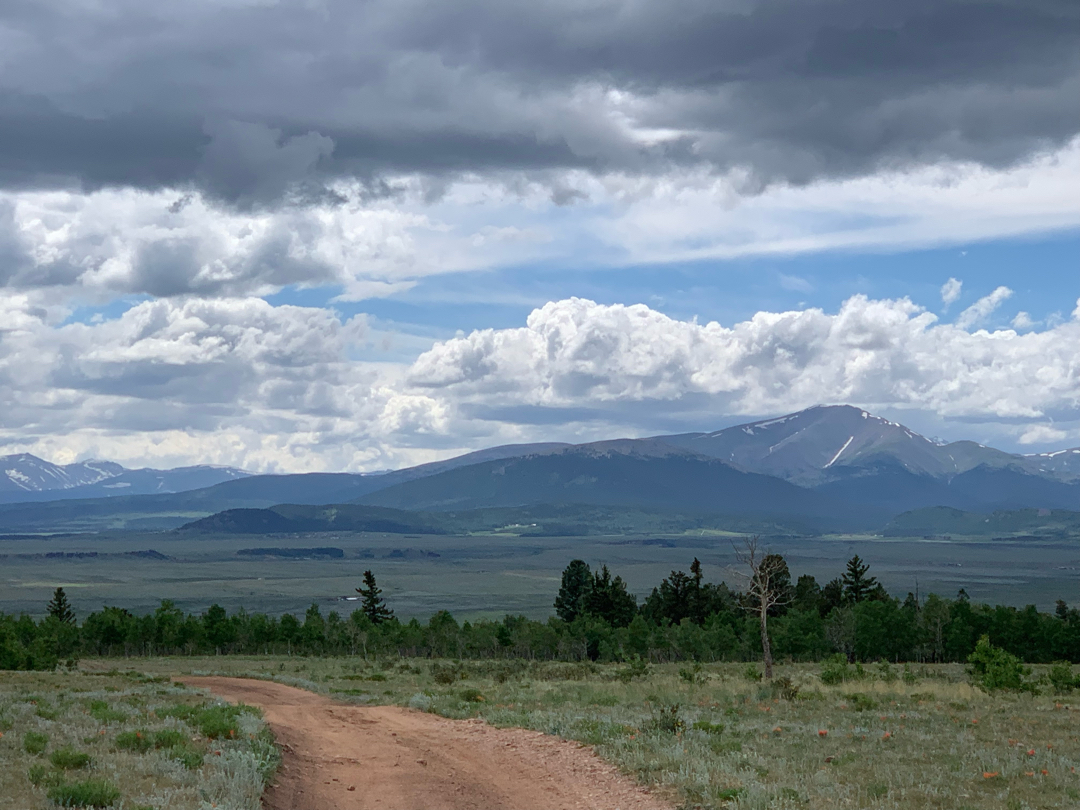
(253, 102)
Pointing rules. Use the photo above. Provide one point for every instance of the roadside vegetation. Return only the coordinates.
(830, 735)
(129, 741)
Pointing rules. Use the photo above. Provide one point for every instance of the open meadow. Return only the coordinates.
(485, 575)
(713, 736)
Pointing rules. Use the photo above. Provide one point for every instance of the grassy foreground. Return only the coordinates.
(716, 737)
(128, 741)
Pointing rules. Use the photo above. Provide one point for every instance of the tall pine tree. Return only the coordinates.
(858, 587)
(60, 608)
(577, 583)
(371, 602)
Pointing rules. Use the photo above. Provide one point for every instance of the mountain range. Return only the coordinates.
(27, 478)
(826, 468)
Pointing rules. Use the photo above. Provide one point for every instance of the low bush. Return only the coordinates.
(635, 668)
(992, 668)
(217, 722)
(836, 670)
(189, 757)
(693, 675)
(213, 722)
(446, 674)
(34, 742)
(43, 776)
(666, 720)
(708, 728)
(138, 741)
(87, 793)
(69, 759)
(1061, 677)
(860, 702)
(472, 695)
(101, 711)
(168, 738)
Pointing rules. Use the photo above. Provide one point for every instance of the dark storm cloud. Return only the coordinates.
(251, 103)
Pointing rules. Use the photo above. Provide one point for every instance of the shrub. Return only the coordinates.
(88, 793)
(635, 668)
(693, 675)
(1061, 677)
(835, 669)
(138, 741)
(667, 720)
(472, 695)
(69, 759)
(215, 722)
(992, 668)
(506, 670)
(34, 742)
(168, 738)
(752, 673)
(186, 756)
(709, 728)
(43, 776)
(446, 674)
(104, 713)
(886, 672)
(860, 702)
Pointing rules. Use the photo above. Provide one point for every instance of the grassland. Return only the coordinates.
(128, 741)
(717, 737)
(468, 575)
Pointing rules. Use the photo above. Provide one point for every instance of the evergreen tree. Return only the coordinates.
(673, 600)
(858, 587)
(832, 596)
(807, 594)
(371, 602)
(576, 584)
(781, 585)
(60, 608)
(609, 600)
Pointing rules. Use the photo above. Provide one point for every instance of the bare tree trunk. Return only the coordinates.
(766, 647)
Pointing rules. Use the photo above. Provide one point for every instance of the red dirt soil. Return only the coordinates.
(342, 757)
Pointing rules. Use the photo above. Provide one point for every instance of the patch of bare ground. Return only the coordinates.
(340, 757)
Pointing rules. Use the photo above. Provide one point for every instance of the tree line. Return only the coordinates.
(596, 617)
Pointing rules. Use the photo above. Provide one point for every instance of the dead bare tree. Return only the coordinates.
(761, 574)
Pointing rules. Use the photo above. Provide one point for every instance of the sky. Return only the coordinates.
(298, 235)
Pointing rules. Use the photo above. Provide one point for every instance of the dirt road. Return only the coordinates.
(342, 757)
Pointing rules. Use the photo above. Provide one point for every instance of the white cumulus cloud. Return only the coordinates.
(950, 291)
(982, 309)
(879, 353)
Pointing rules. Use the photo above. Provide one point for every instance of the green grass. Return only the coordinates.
(69, 759)
(114, 740)
(34, 742)
(87, 793)
(489, 575)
